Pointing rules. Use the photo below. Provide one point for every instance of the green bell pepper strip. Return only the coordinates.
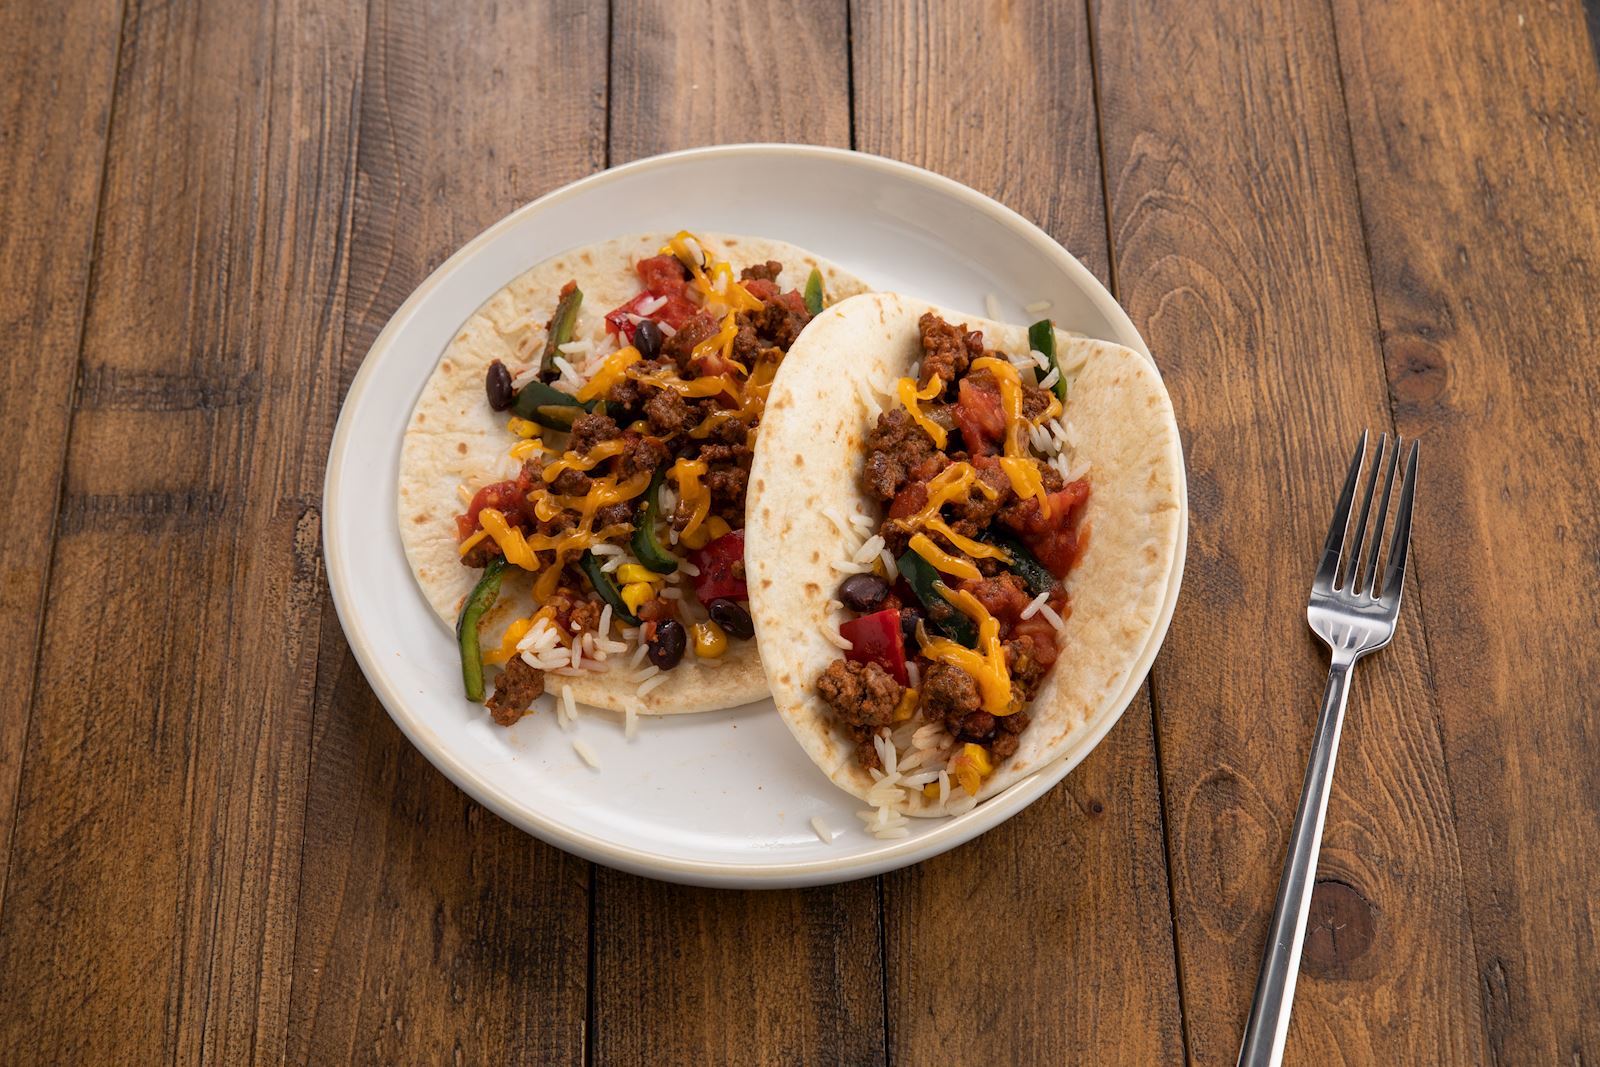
(562, 323)
(548, 406)
(813, 293)
(943, 616)
(646, 548)
(590, 564)
(1042, 338)
(1024, 564)
(480, 600)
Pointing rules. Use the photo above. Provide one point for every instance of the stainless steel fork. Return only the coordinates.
(1355, 615)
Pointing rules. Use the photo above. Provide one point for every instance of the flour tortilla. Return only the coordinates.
(455, 439)
(809, 459)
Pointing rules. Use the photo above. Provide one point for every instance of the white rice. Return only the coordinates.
(576, 348)
(650, 683)
(1035, 604)
(613, 563)
(961, 804)
(651, 306)
(630, 722)
(832, 515)
(466, 497)
(823, 831)
(605, 622)
(684, 567)
(991, 306)
(1078, 470)
(585, 753)
(568, 703)
(525, 376)
(670, 592)
(604, 549)
(889, 567)
(913, 674)
(1040, 358)
(667, 330)
(1050, 379)
(867, 552)
(830, 630)
(638, 656)
(1037, 307)
(577, 655)
(1052, 618)
(861, 522)
(569, 374)
(944, 788)
(846, 566)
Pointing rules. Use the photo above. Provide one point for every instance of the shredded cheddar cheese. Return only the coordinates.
(470, 543)
(573, 461)
(1017, 463)
(912, 399)
(609, 373)
(687, 473)
(941, 560)
(987, 665)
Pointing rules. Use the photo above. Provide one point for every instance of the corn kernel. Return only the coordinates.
(697, 538)
(522, 427)
(709, 640)
(716, 526)
(635, 594)
(630, 573)
(907, 705)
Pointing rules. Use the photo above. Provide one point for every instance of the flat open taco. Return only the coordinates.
(572, 481)
(937, 618)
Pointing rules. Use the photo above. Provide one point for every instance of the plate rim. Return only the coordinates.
(722, 873)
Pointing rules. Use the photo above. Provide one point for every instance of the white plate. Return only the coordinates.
(724, 798)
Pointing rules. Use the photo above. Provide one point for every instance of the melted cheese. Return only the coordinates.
(719, 343)
(687, 473)
(987, 665)
(573, 461)
(1025, 479)
(912, 399)
(609, 373)
(710, 385)
(941, 560)
(471, 542)
(1017, 463)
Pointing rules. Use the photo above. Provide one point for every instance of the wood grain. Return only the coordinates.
(154, 872)
(695, 72)
(1239, 255)
(686, 975)
(1476, 133)
(49, 198)
(1054, 931)
(430, 930)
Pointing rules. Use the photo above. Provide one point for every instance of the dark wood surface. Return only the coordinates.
(1322, 214)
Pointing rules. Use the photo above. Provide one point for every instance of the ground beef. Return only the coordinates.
(590, 430)
(626, 395)
(571, 483)
(559, 523)
(680, 345)
(516, 688)
(863, 698)
(947, 350)
(640, 454)
(1003, 596)
(780, 321)
(614, 515)
(1035, 401)
(728, 471)
(1027, 669)
(667, 413)
(575, 612)
(894, 447)
(481, 554)
(767, 272)
(978, 510)
(1053, 481)
(949, 693)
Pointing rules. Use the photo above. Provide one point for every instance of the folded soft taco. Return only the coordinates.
(572, 482)
(969, 551)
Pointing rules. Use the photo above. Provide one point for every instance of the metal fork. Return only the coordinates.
(1355, 615)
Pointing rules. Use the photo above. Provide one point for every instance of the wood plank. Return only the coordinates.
(1238, 250)
(49, 199)
(1066, 907)
(806, 964)
(1474, 133)
(429, 929)
(149, 912)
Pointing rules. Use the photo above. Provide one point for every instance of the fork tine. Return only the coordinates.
(1367, 578)
(1352, 570)
(1394, 575)
(1329, 567)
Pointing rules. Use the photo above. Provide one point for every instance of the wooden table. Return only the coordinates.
(216, 848)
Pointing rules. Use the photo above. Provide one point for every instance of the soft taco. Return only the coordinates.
(969, 552)
(572, 481)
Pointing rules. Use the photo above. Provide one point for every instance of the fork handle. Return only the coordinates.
(1268, 1026)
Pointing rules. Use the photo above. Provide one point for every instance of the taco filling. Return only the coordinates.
(631, 451)
(955, 604)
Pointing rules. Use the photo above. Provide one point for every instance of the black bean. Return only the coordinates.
(647, 339)
(863, 593)
(732, 618)
(909, 618)
(666, 647)
(498, 385)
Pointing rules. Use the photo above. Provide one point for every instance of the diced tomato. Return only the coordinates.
(761, 289)
(1043, 635)
(876, 638)
(978, 413)
(1003, 599)
(505, 497)
(1055, 540)
(910, 500)
(675, 312)
(721, 565)
(795, 302)
(662, 274)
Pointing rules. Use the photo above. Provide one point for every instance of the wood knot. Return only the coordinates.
(1421, 373)
(1339, 931)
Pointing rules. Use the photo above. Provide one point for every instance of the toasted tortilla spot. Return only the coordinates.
(815, 555)
(799, 459)
(811, 587)
(461, 446)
